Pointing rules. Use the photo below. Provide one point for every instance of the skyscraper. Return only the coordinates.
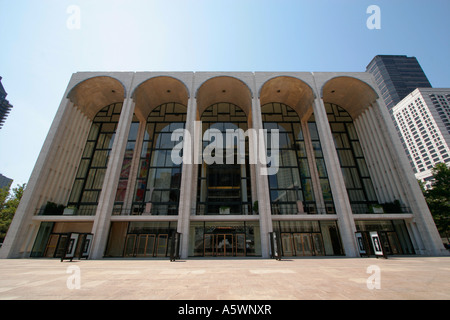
(423, 121)
(396, 77)
(5, 106)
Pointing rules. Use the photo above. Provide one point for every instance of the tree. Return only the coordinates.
(438, 198)
(8, 206)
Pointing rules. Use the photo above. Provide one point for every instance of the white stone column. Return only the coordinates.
(263, 195)
(21, 224)
(404, 176)
(346, 223)
(188, 181)
(105, 207)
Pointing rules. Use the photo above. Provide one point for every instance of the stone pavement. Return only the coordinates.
(404, 278)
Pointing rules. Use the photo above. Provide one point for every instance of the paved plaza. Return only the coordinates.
(402, 278)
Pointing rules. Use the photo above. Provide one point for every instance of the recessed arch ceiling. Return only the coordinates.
(352, 94)
(93, 94)
(224, 89)
(290, 91)
(157, 91)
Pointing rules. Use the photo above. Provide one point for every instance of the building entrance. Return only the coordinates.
(302, 244)
(224, 244)
(146, 245)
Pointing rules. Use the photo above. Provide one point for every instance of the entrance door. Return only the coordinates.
(318, 244)
(145, 245)
(129, 245)
(287, 244)
(209, 245)
(394, 242)
(306, 244)
(51, 246)
(240, 247)
(224, 244)
(161, 249)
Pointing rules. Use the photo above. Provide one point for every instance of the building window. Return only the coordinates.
(126, 168)
(291, 189)
(91, 171)
(353, 165)
(224, 188)
(157, 189)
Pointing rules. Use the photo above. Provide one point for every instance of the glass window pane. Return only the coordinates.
(88, 149)
(133, 131)
(82, 170)
(99, 177)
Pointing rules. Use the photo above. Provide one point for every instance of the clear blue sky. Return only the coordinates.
(39, 52)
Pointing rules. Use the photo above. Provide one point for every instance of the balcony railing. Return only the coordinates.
(204, 209)
(86, 211)
(386, 208)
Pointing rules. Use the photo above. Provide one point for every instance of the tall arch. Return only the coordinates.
(156, 91)
(93, 94)
(290, 91)
(353, 94)
(224, 89)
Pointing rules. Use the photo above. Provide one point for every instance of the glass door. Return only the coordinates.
(306, 244)
(240, 248)
(224, 244)
(394, 242)
(209, 245)
(150, 248)
(318, 244)
(298, 245)
(141, 244)
(145, 245)
(61, 247)
(129, 245)
(161, 248)
(287, 245)
(51, 246)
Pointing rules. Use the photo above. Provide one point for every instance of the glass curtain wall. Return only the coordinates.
(91, 171)
(158, 183)
(224, 188)
(126, 167)
(354, 169)
(321, 168)
(291, 190)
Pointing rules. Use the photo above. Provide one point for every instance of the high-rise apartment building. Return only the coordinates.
(5, 106)
(423, 120)
(111, 173)
(396, 77)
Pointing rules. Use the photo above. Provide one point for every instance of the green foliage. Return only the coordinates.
(52, 208)
(438, 198)
(8, 206)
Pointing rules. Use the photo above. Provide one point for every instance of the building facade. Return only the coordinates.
(5, 182)
(5, 106)
(328, 164)
(423, 120)
(396, 77)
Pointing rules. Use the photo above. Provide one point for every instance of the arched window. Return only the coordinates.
(158, 183)
(91, 171)
(224, 188)
(353, 165)
(291, 188)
